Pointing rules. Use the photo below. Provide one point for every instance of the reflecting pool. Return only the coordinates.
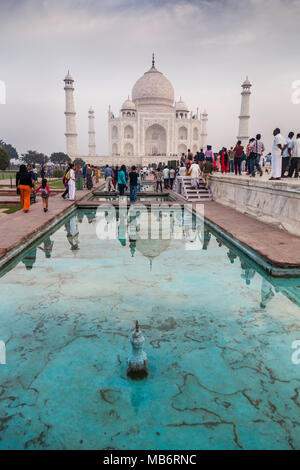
(139, 197)
(219, 335)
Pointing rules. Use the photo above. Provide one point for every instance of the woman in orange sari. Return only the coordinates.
(24, 185)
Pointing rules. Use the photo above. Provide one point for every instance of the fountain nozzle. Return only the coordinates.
(137, 360)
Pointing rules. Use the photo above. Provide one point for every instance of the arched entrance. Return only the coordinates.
(156, 140)
(182, 148)
(128, 149)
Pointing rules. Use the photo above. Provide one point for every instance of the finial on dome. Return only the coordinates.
(153, 60)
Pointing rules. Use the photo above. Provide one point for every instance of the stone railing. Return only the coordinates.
(276, 202)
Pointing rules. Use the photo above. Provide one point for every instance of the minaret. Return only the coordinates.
(244, 117)
(92, 133)
(204, 120)
(71, 134)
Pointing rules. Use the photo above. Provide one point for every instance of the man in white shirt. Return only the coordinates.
(279, 146)
(195, 174)
(166, 173)
(287, 154)
(295, 160)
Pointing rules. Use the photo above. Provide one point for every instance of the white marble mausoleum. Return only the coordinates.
(151, 123)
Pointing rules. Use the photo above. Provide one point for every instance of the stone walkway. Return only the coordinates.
(18, 227)
(276, 246)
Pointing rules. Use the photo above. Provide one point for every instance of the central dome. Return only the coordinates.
(153, 89)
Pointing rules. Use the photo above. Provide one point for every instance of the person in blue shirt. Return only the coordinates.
(122, 180)
(287, 154)
(108, 175)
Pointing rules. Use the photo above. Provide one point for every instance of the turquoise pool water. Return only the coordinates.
(218, 333)
(140, 197)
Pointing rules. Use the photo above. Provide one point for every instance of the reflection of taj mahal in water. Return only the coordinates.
(151, 124)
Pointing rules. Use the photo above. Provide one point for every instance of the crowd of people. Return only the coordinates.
(121, 178)
(282, 162)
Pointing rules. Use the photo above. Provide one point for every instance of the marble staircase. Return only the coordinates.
(191, 194)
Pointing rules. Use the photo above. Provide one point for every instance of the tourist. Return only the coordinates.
(122, 182)
(133, 181)
(209, 155)
(32, 176)
(66, 178)
(277, 150)
(89, 177)
(201, 159)
(139, 181)
(182, 170)
(224, 161)
(287, 154)
(172, 177)
(84, 175)
(231, 160)
(24, 185)
(256, 150)
(97, 174)
(248, 151)
(195, 175)
(79, 179)
(207, 171)
(108, 175)
(295, 160)
(238, 152)
(115, 178)
(159, 178)
(45, 193)
(166, 177)
(43, 172)
(197, 157)
(71, 183)
(218, 162)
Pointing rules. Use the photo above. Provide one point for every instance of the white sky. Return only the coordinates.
(205, 48)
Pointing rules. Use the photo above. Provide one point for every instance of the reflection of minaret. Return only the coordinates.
(204, 119)
(92, 141)
(71, 134)
(244, 116)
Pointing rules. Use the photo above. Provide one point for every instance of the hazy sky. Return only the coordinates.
(205, 48)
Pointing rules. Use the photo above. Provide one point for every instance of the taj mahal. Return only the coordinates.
(151, 127)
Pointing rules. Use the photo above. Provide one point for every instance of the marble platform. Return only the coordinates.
(272, 202)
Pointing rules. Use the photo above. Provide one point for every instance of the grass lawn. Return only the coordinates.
(11, 209)
(57, 184)
(5, 175)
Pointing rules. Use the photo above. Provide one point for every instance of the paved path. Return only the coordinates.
(278, 247)
(17, 227)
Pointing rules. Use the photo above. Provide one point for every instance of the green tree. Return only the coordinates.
(60, 158)
(4, 159)
(34, 158)
(79, 161)
(12, 152)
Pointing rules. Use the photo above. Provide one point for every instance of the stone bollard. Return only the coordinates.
(137, 360)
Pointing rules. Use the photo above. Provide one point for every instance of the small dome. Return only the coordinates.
(128, 105)
(181, 106)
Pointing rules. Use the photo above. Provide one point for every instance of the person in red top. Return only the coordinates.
(45, 193)
(224, 161)
(238, 152)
